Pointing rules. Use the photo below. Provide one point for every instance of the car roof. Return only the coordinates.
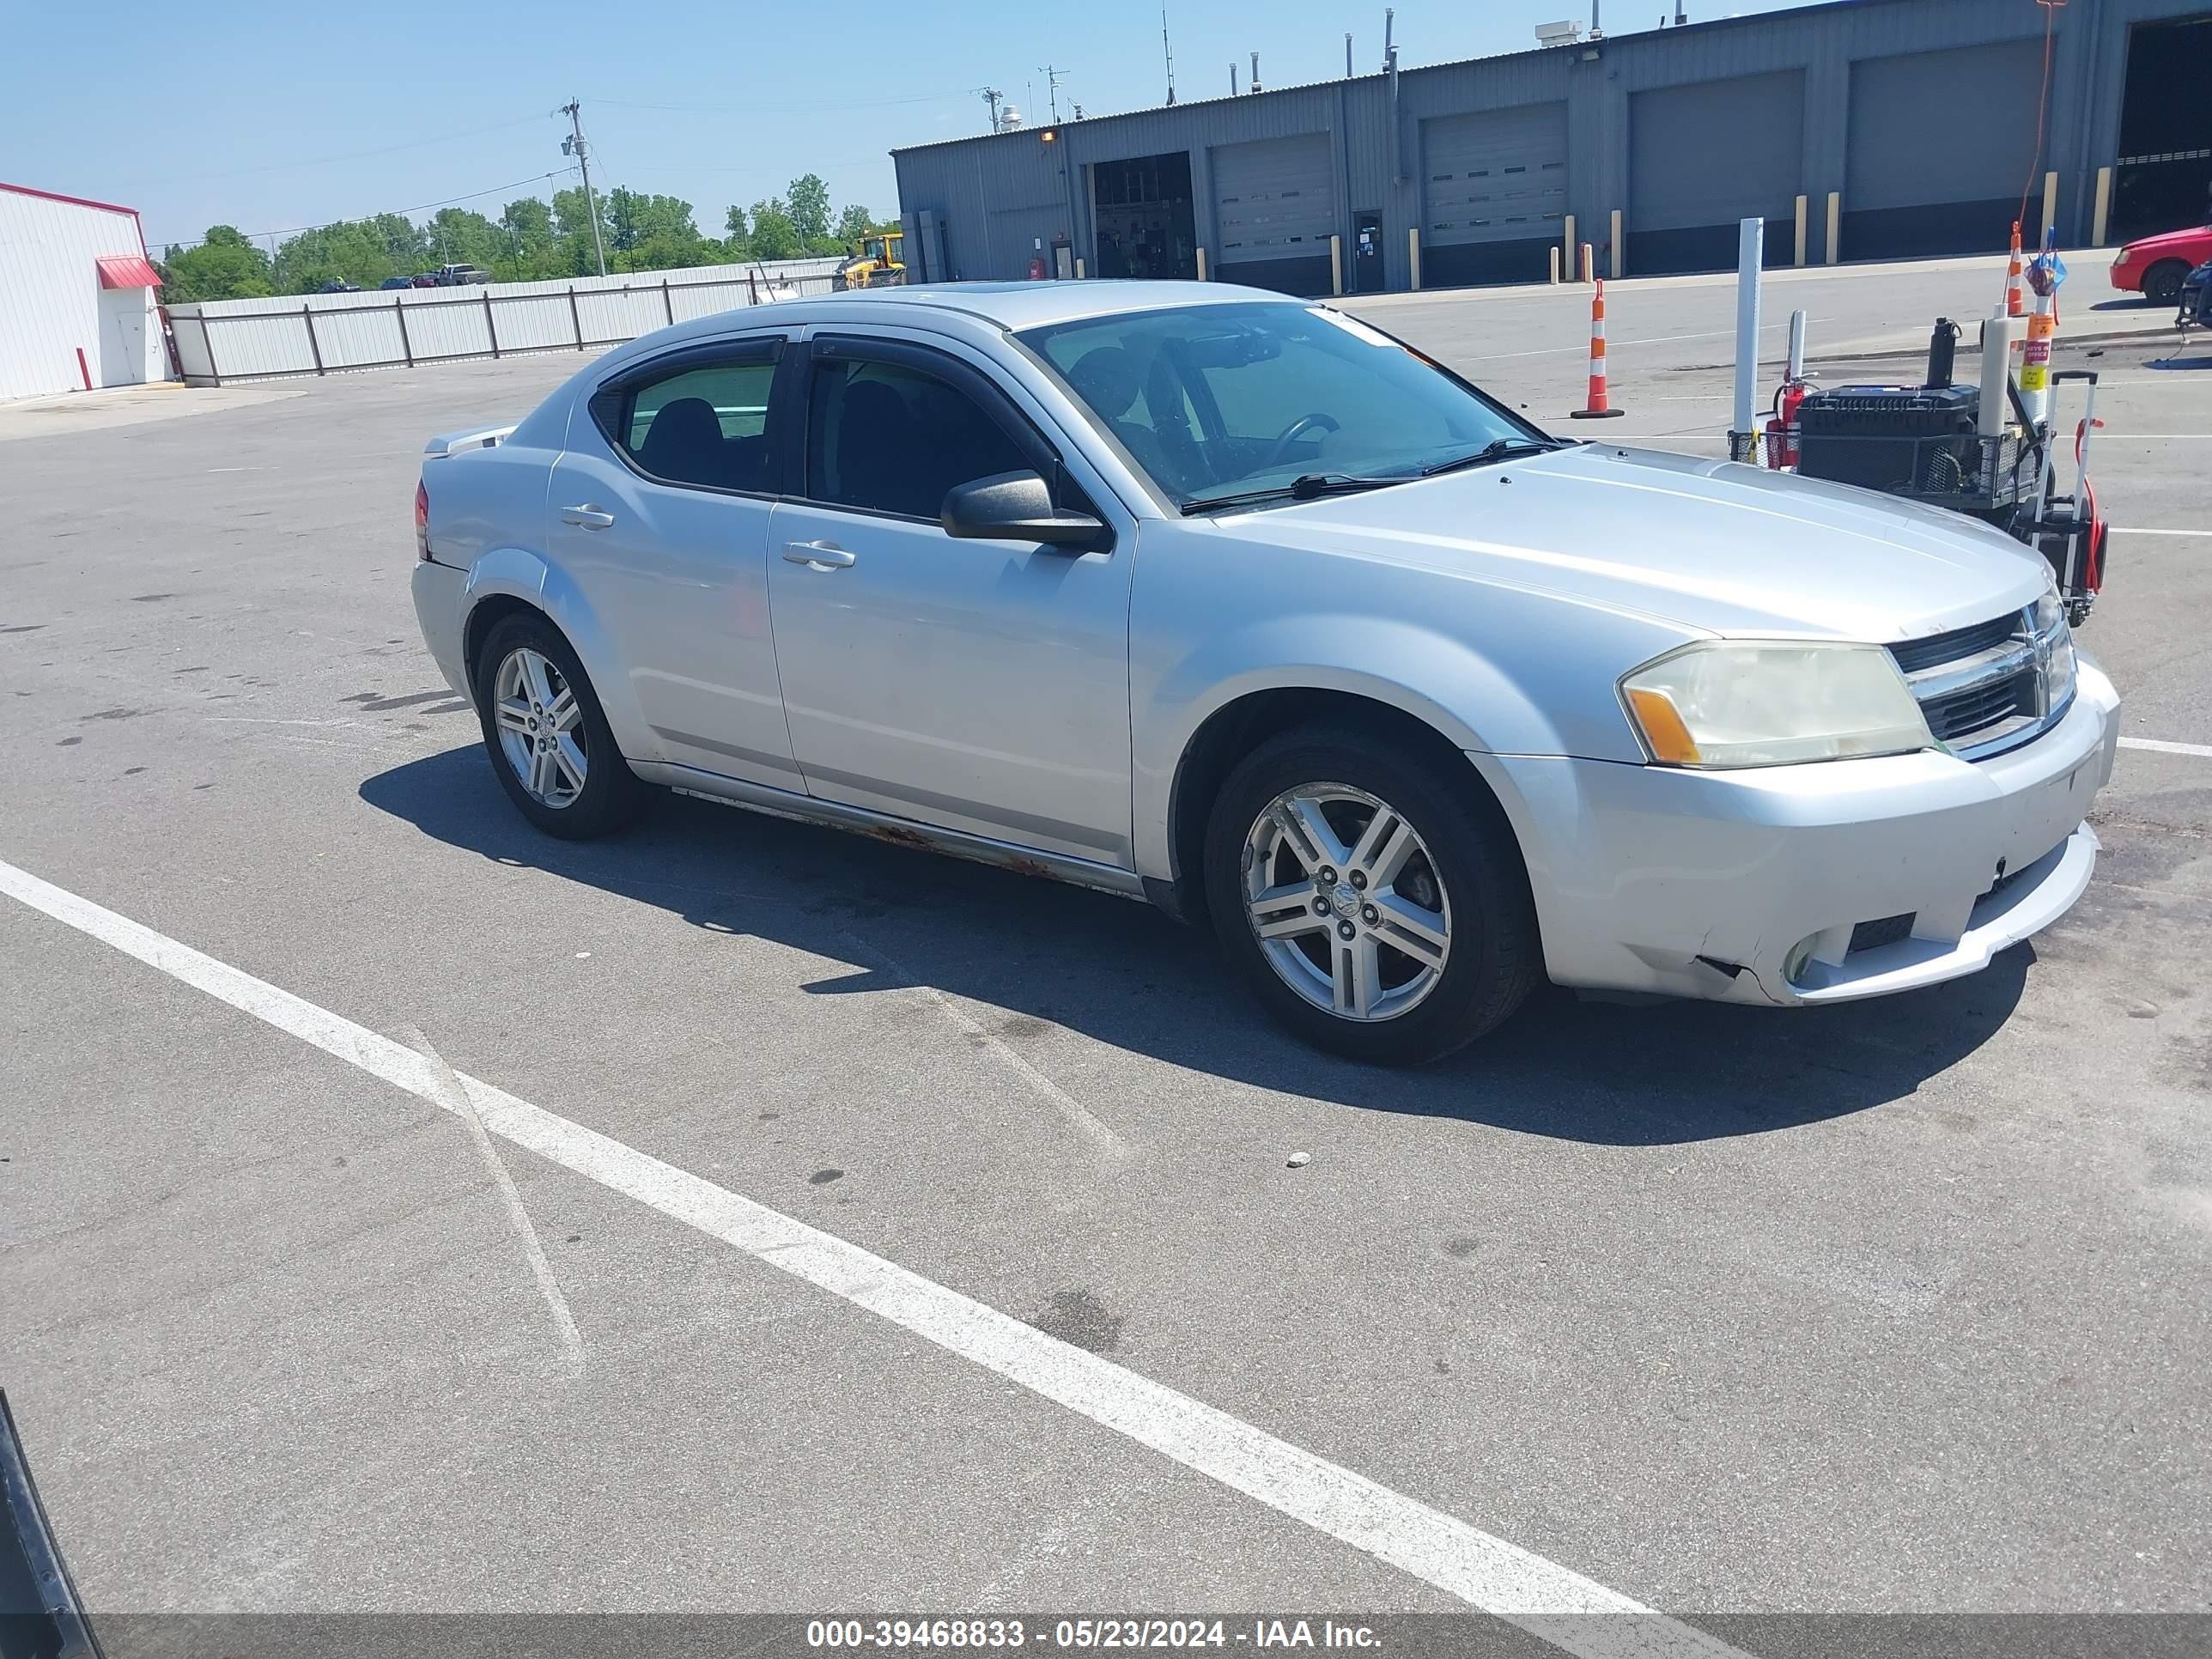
(1008, 306)
(1019, 305)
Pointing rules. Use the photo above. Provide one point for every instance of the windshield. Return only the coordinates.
(1216, 401)
(874, 247)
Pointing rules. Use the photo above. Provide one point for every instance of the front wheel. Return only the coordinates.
(1378, 907)
(2162, 283)
(548, 737)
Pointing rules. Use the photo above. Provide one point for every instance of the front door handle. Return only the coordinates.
(588, 517)
(817, 556)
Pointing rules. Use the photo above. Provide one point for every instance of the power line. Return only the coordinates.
(819, 107)
(350, 155)
(422, 207)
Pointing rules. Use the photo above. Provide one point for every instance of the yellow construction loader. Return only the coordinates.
(874, 263)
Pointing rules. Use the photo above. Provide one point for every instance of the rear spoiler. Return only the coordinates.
(475, 437)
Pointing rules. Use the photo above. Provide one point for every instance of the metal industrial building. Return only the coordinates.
(79, 297)
(1859, 130)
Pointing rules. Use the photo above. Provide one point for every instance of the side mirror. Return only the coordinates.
(1017, 507)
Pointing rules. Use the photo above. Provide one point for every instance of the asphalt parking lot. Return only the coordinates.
(1887, 1308)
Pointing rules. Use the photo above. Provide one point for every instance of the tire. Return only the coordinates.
(611, 794)
(1463, 856)
(2162, 283)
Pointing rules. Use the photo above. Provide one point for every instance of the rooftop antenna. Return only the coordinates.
(1053, 77)
(991, 96)
(1168, 53)
(1255, 71)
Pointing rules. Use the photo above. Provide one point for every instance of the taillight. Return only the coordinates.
(422, 522)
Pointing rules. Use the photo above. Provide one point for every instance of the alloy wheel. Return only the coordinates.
(541, 727)
(1345, 902)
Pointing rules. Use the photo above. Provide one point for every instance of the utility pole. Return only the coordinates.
(991, 96)
(575, 145)
(1053, 77)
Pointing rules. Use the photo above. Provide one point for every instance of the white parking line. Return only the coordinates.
(2117, 530)
(1550, 1601)
(2202, 750)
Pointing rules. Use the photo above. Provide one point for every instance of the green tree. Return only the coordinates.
(572, 226)
(224, 266)
(775, 234)
(653, 231)
(809, 207)
(855, 223)
(462, 236)
(734, 224)
(532, 247)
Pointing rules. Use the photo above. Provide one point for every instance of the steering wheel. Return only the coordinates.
(1296, 430)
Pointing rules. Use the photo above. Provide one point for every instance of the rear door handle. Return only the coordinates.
(589, 517)
(817, 556)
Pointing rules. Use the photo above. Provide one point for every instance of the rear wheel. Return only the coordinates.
(548, 737)
(1377, 908)
(2162, 283)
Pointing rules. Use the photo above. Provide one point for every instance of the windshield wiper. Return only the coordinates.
(1497, 449)
(1306, 486)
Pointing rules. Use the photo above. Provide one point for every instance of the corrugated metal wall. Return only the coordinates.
(220, 340)
(1815, 48)
(49, 298)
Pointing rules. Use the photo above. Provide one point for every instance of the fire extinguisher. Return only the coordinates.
(1781, 430)
(1036, 268)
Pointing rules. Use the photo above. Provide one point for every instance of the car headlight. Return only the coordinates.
(1725, 703)
(2054, 643)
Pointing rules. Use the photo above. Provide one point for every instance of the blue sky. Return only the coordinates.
(263, 115)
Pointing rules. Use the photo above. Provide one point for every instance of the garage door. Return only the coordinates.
(1274, 211)
(1940, 143)
(1493, 194)
(1495, 176)
(1704, 157)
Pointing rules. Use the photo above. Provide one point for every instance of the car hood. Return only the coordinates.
(1712, 545)
(2184, 241)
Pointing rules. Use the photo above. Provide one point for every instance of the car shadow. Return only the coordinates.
(1122, 972)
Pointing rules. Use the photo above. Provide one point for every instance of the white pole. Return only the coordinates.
(1751, 250)
(1797, 345)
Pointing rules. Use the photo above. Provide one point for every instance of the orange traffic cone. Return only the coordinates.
(1599, 410)
(2015, 302)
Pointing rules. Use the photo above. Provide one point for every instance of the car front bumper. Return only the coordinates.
(1748, 886)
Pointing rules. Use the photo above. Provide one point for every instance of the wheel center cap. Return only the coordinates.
(1344, 900)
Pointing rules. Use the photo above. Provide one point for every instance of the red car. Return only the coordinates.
(2155, 265)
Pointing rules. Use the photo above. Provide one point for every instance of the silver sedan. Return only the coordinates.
(1234, 603)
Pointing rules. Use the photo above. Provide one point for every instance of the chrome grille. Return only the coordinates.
(1914, 655)
(1985, 689)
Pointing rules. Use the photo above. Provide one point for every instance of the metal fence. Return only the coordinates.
(228, 340)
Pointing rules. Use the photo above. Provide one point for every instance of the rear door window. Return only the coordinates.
(704, 424)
